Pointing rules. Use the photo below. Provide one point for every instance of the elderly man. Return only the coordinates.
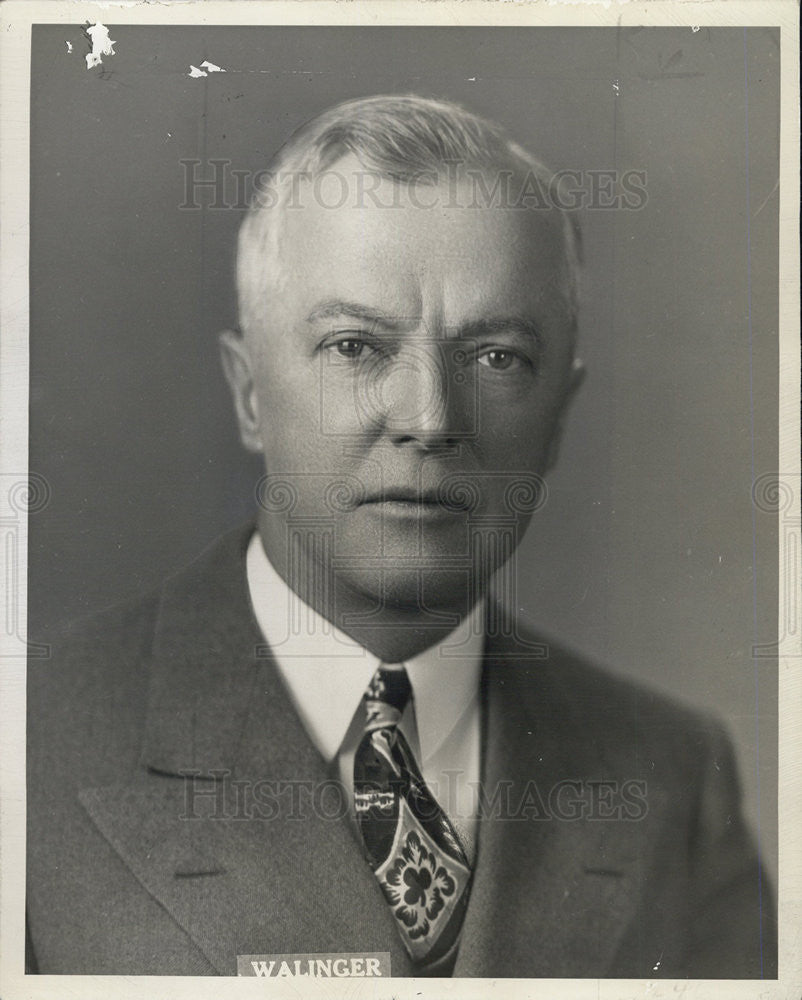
(326, 745)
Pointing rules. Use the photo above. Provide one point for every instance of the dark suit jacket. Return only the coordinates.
(658, 878)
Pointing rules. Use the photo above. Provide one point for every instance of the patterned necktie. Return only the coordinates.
(409, 842)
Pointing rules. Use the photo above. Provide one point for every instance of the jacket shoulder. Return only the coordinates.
(87, 695)
(615, 717)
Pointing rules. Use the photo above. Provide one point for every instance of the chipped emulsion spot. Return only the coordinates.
(102, 44)
(204, 69)
(69, 47)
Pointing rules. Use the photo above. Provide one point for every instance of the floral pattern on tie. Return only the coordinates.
(416, 885)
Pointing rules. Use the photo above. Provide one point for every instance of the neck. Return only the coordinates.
(369, 610)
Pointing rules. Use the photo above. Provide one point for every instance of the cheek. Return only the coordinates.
(289, 414)
(515, 435)
(308, 423)
(319, 397)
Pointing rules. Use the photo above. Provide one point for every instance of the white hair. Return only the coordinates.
(404, 138)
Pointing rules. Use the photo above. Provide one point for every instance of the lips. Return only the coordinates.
(404, 496)
(425, 503)
(401, 509)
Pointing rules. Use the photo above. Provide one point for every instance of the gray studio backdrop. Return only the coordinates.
(650, 554)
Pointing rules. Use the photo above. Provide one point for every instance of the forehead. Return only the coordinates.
(406, 246)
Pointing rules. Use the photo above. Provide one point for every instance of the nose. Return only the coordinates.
(419, 397)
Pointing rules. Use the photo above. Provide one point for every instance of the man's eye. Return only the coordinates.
(499, 359)
(350, 348)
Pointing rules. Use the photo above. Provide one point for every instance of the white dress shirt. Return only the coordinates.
(326, 673)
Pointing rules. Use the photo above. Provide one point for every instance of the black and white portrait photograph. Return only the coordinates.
(401, 527)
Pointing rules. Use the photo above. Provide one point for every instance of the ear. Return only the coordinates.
(238, 369)
(575, 379)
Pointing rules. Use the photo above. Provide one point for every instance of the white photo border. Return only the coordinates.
(16, 19)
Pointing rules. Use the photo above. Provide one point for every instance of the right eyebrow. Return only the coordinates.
(333, 308)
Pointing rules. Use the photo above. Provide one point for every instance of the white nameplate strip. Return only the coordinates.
(359, 964)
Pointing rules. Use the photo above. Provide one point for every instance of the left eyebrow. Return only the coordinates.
(476, 329)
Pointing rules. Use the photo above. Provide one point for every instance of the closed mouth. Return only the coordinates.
(406, 503)
(409, 497)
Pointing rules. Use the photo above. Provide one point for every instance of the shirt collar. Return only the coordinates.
(326, 672)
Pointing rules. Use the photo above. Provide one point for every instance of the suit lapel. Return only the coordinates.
(233, 824)
(552, 894)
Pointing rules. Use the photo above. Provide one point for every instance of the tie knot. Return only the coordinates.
(390, 686)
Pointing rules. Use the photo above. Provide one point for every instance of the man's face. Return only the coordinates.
(406, 387)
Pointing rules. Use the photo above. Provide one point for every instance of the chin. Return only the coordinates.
(419, 590)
